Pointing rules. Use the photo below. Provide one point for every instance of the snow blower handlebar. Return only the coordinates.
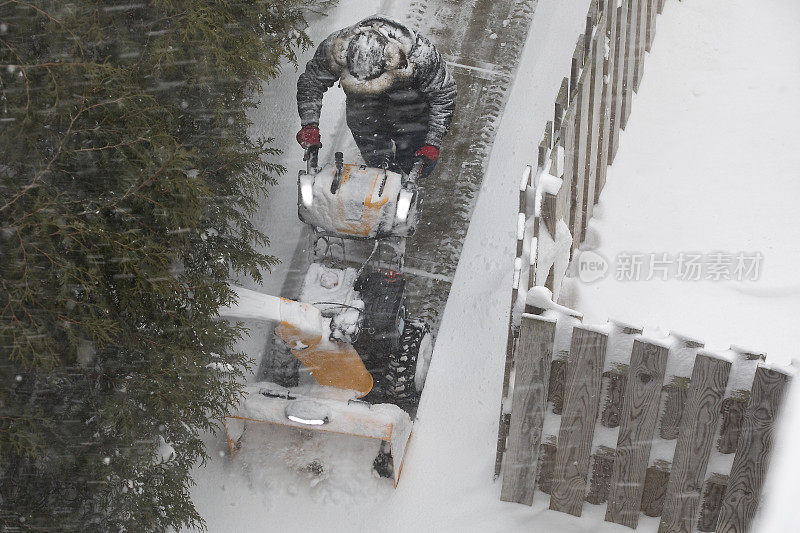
(312, 158)
(416, 169)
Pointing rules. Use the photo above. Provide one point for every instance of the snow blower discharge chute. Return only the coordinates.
(343, 357)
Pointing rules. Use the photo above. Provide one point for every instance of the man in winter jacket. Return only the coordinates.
(400, 95)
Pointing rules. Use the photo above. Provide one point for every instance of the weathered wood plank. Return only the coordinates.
(556, 159)
(581, 133)
(628, 80)
(584, 371)
(595, 65)
(712, 502)
(533, 358)
(614, 384)
(567, 144)
(652, 17)
(542, 156)
(615, 380)
(533, 260)
(558, 377)
(501, 443)
(753, 451)
(581, 125)
(602, 470)
(575, 68)
(547, 461)
(674, 403)
(732, 417)
(610, 15)
(617, 80)
(675, 392)
(502, 429)
(532, 270)
(525, 209)
(562, 102)
(503, 422)
(591, 21)
(549, 213)
(655, 488)
(639, 415)
(549, 134)
(695, 440)
(641, 42)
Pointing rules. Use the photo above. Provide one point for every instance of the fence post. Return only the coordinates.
(607, 80)
(562, 103)
(558, 377)
(580, 133)
(618, 78)
(602, 470)
(733, 407)
(695, 441)
(652, 12)
(594, 63)
(638, 423)
(502, 430)
(565, 151)
(675, 391)
(628, 82)
(584, 373)
(547, 460)
(615, 382)
(753, 451)
(534, 353)
(655, 488)
(641, 42)
(712, 502)
(732, 417)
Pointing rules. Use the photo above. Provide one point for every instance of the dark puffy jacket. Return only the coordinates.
(422, 79)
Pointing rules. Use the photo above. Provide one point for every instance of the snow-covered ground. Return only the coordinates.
(704, 166)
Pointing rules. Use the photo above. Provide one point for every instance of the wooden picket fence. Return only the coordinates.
(603, 415)
(669, 455)
(592, 105)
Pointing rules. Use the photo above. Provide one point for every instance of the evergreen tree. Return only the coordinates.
(126, 182)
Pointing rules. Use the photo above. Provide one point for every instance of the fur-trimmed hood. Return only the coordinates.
(398, 55)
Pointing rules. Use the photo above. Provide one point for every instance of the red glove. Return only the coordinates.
(429, 152)
(309, 136)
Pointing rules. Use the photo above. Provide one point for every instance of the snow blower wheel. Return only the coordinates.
(406, 372)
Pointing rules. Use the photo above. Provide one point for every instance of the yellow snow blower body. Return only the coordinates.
(331, 363)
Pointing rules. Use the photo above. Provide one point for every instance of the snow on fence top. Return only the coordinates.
(606, 414)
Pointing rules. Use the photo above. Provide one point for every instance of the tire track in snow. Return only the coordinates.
(482, 40)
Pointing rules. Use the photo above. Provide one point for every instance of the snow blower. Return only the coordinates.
(344, 357)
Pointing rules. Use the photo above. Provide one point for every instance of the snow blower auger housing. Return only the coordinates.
(344, 357)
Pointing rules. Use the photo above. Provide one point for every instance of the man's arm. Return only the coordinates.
(438, 87)
(318, 77)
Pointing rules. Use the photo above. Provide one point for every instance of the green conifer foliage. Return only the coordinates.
(127, 178)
